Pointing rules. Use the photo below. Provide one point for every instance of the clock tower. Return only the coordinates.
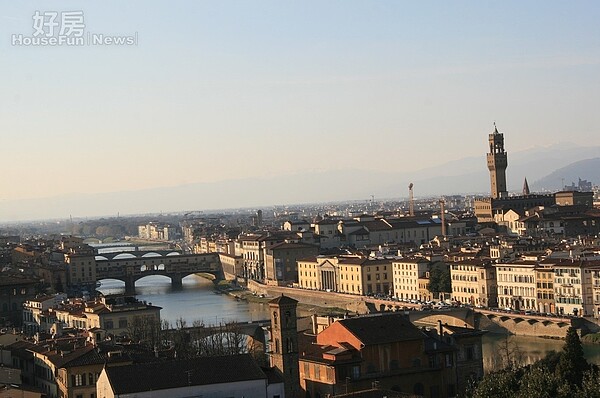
(497, 163)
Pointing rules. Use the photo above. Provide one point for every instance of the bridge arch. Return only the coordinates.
(235, 337)
(132, 266)
(124, 256)
(151, 254)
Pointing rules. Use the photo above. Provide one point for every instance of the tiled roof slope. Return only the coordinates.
(181, 373)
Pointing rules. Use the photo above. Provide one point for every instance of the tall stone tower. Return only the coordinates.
(497, 162)
(284, 343)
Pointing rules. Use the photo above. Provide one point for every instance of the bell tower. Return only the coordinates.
(497, 163)
(284, 343)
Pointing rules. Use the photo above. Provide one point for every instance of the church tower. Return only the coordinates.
(284, 343)
(497, 162)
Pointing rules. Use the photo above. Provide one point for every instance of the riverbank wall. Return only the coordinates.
(362, 305)
(346, 302)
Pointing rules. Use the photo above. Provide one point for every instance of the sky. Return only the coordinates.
(221, 90)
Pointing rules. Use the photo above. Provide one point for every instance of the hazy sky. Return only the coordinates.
(231, 89)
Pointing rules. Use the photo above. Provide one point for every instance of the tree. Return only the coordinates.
(439, 280)
(572, 364)
(510, 355)
(538, 382)
(558, 375)
(502, 384)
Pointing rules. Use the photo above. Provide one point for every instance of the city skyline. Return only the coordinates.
(230, 91)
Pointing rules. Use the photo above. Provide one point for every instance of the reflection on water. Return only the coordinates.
(525, 349)
(195, 300)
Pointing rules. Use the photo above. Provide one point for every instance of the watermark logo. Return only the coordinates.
(67, 28)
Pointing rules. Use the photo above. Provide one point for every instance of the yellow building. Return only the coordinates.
(474, 282)
(346, 274)
(517, 288)
(573, 280)
(114, 314)
(544, 276)
(118, 314)
(406, 274)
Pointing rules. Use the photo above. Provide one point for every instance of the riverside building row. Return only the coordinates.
(545, 285)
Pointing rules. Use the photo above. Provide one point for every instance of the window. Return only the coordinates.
(469, 352)
(432, 361)
(77, 380)
(355, 372)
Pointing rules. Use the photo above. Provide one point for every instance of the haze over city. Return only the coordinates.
(219, 91)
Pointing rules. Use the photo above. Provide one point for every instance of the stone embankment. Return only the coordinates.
(327, 302)
(335, 302)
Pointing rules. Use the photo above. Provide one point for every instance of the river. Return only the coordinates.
(196, 300)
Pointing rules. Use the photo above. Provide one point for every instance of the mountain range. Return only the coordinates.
(544, 167)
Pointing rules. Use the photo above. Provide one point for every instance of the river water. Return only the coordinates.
(196, 301)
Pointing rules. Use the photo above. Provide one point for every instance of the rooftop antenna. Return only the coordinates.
(411, 203)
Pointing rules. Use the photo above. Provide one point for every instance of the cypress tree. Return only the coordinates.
(572, 364)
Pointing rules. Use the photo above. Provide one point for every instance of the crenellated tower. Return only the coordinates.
(497, 163)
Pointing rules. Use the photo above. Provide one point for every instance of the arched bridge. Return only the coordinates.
(464, 317)
(129, 267)
(136, 254)
(494, 320)
(255, 332)
(531, 325)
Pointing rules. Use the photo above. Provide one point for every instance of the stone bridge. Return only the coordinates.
(530, 325)
(131, 266)
(463, 317)
(257, 341)
(137, 254)
(496, 320)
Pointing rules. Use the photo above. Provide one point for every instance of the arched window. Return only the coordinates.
(275, 318)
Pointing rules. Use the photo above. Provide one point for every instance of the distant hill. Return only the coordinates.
(467, 175)
(588, 169)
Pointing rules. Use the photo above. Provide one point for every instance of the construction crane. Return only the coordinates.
(411, 201)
